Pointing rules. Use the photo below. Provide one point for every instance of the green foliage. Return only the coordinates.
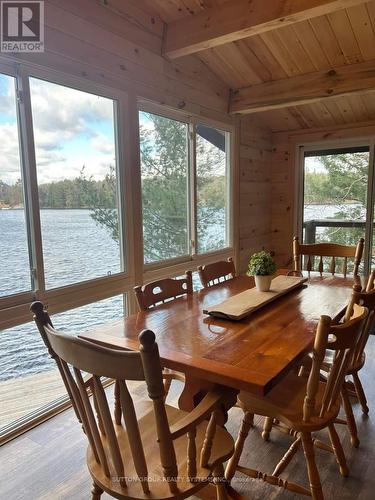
(261, 264)
(344, 185)
(11, 196)
(317, 188)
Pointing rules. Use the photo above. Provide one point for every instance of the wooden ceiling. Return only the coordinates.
(314, 47)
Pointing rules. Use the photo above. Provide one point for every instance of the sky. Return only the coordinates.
(71, 129)
(313, 165)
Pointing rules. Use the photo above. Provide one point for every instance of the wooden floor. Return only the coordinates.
(48, 462)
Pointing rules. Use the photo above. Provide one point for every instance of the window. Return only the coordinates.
(185, 188)
(75, 147)
(212, 189)
(66, 211)
(164, 169)
(14, 262)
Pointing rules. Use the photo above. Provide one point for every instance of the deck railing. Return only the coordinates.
(311, 225)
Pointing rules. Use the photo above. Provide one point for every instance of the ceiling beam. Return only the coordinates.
(236, 19)
(304, 89)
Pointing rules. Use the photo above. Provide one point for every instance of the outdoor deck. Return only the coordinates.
(24, 395)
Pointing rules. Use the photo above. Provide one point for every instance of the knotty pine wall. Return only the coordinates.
(255, 189)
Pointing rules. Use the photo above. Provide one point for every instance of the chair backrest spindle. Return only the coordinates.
(332, 250)
(150, 354)
(366, 299)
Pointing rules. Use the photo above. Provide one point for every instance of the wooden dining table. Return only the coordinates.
(251, 355)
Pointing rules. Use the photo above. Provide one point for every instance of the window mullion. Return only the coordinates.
(193, 236)
(30, 180)
(121, 183)
(369, 236)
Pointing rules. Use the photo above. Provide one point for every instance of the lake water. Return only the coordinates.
(325, 211)
(75, 249)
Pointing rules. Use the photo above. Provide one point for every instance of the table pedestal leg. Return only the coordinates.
(193, 392)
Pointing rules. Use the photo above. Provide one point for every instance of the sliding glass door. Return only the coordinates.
(338, 196)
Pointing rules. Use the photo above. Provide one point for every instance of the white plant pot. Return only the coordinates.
(263, 283)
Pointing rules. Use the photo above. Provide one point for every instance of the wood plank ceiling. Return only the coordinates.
(344, 37)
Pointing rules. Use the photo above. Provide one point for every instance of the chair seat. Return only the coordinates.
(222, 449)
(285, 402)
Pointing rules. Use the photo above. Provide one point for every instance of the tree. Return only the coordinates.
(343, 184)
(165, 187)
(164, 169)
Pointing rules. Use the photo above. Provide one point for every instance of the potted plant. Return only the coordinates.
(262, 267)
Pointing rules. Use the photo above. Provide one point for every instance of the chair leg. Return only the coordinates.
(117, 411)
(267, 428)
(96, 492)
(339, 452)
(246, 423)
(360, 393)
(349, 417)
(219, 482)
(315, 485)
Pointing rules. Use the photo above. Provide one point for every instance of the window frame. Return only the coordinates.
(15, 308)
(177, 265)
(62, 298)
(352, 142)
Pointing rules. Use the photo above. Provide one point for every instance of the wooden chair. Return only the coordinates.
(305, 406)
(327, 250)
(366, 299)
(153, 456)
(212, 274)
(160, 291)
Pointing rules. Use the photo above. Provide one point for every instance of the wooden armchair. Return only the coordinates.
(303, 406)
(211, 274)
(321, 250)
(166, 453)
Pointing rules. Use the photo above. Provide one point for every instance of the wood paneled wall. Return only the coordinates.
(283, 204)
(255, 173)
